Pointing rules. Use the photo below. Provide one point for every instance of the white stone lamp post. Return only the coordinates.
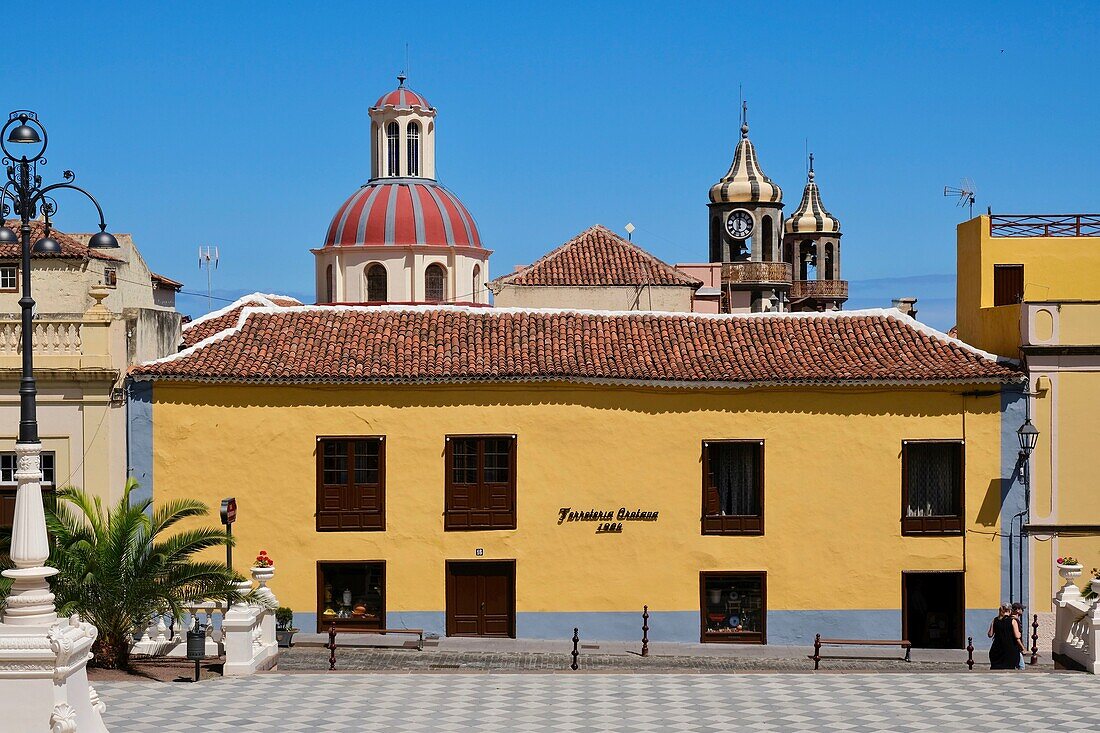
(43, 676)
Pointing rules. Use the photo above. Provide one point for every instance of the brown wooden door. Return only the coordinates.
(481, 599)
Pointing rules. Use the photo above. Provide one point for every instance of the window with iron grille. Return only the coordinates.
(932, 487)
(351, 484)
(377, 285)
(434, 288)
(480, 482)
(412, 138)
(9, 277)
(733, 487)
(392, 150)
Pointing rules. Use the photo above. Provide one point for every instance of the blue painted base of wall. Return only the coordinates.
(785, 628)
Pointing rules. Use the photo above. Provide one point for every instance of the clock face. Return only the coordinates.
(739, 223)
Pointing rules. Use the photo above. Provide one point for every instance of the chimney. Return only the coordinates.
(908, 306)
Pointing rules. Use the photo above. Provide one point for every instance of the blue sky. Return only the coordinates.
(244, 124)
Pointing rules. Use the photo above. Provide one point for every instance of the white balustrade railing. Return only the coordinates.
(1077, 626)
(165, 637)
(244, 635)
(50, 337)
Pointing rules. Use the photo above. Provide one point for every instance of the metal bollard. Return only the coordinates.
(970, 652)
(576, 654)
(645, 631)
(817, 651)
(1035, 639)
(332, 646)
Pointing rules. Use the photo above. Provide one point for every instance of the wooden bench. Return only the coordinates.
(819, 642)
(419, 633)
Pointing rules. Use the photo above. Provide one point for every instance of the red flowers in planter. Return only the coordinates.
(1068, 560)
(263, 560)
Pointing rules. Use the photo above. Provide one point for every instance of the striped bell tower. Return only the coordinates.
(746, 226)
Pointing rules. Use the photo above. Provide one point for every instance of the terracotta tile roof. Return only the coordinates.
(165, 281)
(71, 247)
(360, 344)
(598, 256)
(211, 323)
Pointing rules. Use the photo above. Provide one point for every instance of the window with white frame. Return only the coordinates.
(9, 277)
(8, 465)
(110, 277)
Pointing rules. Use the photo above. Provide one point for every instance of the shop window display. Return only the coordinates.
(734, 607)
(352, 594)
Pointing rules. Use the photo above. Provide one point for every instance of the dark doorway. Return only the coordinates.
(933, 610)
(481, 598)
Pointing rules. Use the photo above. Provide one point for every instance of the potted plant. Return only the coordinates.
(284, 627)
(1069, 567)
(1093, 591)
(263, 568)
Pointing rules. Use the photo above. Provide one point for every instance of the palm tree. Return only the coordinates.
(120, 567)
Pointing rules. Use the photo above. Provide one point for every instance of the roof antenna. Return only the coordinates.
(965, 194)
(406, 59)
(208, 260)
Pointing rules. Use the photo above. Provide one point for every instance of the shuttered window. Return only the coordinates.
(1008, 284)
(733, 487)
(932, 487)
(351, 484)
(480, 482)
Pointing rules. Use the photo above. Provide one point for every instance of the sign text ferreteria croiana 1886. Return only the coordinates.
(608, 521)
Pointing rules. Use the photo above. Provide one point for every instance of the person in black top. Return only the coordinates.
(1008, 644)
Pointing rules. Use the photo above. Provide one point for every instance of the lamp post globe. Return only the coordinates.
(46, 246)
(103, 240)
(7, 236)
(24, 134)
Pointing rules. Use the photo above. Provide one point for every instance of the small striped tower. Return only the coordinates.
(402, 237)
(811, 243)
(746, 222)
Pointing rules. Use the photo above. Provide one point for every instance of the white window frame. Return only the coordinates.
(9, 463)
(14, 272)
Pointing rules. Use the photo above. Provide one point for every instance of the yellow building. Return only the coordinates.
(1029, 287)
(751, 478)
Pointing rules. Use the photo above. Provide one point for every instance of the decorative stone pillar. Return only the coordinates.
(43, 662)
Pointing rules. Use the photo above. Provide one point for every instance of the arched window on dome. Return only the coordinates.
(329, 285)
(412, 136)
(434, 283)
(476, 296)
(376, 284)
(393, 138)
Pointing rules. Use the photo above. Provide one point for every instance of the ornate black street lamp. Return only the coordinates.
(30, 601)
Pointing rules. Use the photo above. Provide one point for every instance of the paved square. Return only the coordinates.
(632, 703)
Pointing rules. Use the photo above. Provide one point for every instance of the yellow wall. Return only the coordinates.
(1055, 269)
(832, 487)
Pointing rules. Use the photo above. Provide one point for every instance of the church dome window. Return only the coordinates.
(393, 137)
(412, 137)
(477, 283)
(434, 283)
(377, 285)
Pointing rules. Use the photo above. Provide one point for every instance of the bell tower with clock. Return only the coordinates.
(746, 230)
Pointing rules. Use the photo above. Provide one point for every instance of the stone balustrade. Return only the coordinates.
(1077, 625)
(826, 289)
(165, 637)
(245, 634)
(50, 337)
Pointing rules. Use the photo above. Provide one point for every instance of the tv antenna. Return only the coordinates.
(965, 194)
(208, 260)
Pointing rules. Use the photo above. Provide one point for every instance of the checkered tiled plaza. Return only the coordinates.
(444, 703)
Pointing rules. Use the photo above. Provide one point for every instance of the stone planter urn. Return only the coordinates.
(285, 637)
(262, 575)
(1069, 572)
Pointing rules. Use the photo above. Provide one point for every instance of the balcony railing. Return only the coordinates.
(49, 337)
(830, 289)
(754, 273)
(1037, 225)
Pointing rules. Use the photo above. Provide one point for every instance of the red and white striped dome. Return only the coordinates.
(402, 98)
(403, 211)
